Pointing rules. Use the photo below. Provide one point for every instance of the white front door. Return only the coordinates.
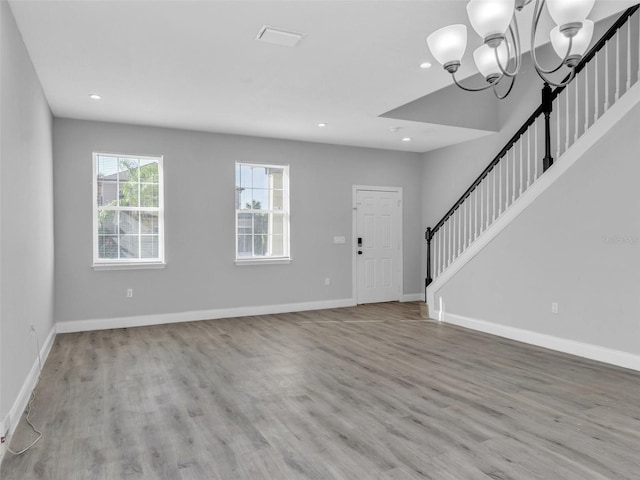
(378, 247)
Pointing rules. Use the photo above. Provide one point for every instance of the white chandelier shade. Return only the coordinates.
(490, 17)
(496, 22)
(564, 12)
(485, 59)
(579, 43)
(448, 44)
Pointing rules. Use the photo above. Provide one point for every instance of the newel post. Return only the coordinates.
(427, 237)
(547, 107)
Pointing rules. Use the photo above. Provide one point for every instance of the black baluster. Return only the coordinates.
(547, 107)
(427, 236)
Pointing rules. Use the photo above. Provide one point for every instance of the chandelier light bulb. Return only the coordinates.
(490, 18)
(567, 12)
(448, 44)
(485, 59)
(579, 44)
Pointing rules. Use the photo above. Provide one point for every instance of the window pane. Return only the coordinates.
(260, 199)
(277, 228)
(107, 222)
(260, 245)
(245, 199)
(129, 194)
(245, 176)
(149, 222)
(107, 246)
(128, 168)
(149, 246)
(245, 223)
(277, 245)
(277, 178)
(244, 245)
(107, 168)
(260, 223)
(149, 171)
(149, 195)
(107, 193)
(278, 200)
(129, 246)
(129, 222)
(260, 178)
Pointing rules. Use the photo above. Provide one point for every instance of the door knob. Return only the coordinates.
(359, 252)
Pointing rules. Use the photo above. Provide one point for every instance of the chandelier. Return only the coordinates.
(500, 56)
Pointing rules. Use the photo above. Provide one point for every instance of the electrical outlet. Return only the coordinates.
(327, 281)
(554, 307)
(129, 292)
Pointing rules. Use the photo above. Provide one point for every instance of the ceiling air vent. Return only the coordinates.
(278, 36)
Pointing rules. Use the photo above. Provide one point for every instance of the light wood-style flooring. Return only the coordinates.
(371, 392)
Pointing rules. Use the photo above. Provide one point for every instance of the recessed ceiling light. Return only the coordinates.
(322, 124)
(406, 139)
(95, 96)
(425, 65)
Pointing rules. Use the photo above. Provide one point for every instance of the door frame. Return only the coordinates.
(354, 236)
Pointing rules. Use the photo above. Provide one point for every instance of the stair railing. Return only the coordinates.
(605, 73)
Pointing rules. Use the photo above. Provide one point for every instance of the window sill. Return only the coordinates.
(128, 266)
(263, 261)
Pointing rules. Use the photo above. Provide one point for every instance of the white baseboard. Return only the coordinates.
(10, 422)
(412, 297)
(163, 318)
(586, 350)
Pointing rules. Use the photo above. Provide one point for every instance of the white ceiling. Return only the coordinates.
(196, 65)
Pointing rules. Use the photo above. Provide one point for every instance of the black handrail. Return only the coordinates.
(548, 96)
(487, 170)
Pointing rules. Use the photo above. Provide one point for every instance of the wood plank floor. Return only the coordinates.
(371, 392)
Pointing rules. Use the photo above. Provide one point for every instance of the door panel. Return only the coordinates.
(378, 266)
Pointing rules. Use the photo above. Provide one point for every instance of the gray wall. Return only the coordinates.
(449, 171)
(199, 221)
(578, 245)
(26, 225)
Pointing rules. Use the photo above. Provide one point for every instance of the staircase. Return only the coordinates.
(567, 122)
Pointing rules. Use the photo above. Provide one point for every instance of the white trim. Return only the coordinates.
(128, 266)
(605, 123)
(354, 234)
(573, 347)
(263, 261)
(98, 262)
(191, 316)
(412, 297)
(286, 210)
(22, 400)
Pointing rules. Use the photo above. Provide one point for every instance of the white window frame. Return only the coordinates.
(129, 263)
(261, 260)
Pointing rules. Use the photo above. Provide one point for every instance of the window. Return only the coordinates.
(128, 214)
(262, 213)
